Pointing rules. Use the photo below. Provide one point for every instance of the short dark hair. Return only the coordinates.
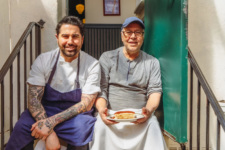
(70, 20)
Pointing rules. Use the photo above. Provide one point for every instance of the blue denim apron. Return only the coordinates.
(77, 131)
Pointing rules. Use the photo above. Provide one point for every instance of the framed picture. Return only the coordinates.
(111, 7)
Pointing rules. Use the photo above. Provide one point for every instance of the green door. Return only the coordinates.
(165, 38)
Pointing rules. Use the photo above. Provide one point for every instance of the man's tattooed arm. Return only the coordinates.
(87, 101)
(35, 94)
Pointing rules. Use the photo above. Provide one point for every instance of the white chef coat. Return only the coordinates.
(66, 72)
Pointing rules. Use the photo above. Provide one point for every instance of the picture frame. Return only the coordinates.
(111, 7)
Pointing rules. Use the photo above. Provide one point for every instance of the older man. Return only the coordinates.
(131, 80)
(63, 85)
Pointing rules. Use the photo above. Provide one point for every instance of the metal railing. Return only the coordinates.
(11, 74)
(101, 37)
(210, 101)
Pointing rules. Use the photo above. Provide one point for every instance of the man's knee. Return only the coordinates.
(21, 126)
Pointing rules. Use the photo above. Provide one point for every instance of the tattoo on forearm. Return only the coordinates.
(85, 105)
(70, 112)
(35, 94)
(40, 116)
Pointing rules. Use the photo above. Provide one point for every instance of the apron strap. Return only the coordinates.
(78, 69)
(53, 70)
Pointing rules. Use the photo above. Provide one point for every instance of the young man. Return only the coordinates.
(131, 80)
(63, 85)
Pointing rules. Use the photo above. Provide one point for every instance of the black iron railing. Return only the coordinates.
(210, 101)
(16, 68)
(101, 37)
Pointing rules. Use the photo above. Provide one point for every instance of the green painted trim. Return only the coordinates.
(165, 39)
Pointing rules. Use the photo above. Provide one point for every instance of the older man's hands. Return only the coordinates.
(147, 114)
(104, 113)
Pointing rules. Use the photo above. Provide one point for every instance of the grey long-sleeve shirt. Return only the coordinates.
(128, 84)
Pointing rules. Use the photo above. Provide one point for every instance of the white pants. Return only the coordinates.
(128, 136)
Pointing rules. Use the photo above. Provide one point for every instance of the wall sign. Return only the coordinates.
(111, 7)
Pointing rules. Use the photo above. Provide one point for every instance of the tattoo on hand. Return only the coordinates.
(40, 125)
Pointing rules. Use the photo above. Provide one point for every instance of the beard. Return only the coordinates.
(70, 53)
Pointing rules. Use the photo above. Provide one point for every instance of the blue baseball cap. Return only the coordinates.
(131, 20)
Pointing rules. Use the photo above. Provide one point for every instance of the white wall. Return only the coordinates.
(5, 32)
(24, 11)
(206, 36)
(138, 1)
(206, 39)
(15, 15)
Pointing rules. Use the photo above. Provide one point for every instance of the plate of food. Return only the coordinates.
(125, 116)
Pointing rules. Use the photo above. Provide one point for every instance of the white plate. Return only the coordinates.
(138, 116)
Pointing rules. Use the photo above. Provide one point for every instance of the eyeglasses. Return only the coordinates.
(130, 33)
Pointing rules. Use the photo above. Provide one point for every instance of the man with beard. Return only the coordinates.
(63, 85)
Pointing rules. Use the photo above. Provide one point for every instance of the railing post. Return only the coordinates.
(182, 146)
(31, 48)
(207, 124)
(41, 23)
(191, 108)
(38, 37)
(37, 43)
(18, 86)
(25, 74)
(218, 135)
(11, 99)
(198, 115)
(2, 115)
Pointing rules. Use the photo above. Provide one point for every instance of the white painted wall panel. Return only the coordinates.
(5, 31)
(206, 39)
(25, 11)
